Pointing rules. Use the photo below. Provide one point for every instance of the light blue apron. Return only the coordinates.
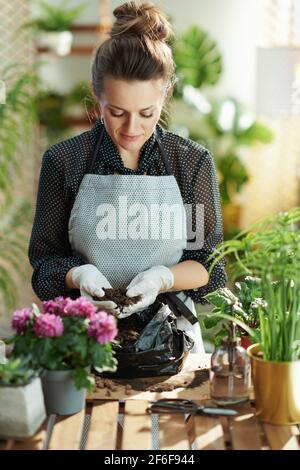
(118, 224)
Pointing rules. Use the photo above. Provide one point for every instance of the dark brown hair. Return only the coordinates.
(137, 48)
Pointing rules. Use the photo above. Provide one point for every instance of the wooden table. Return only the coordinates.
(121, 422)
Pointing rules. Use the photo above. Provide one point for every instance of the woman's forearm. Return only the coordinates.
(68, 279)
(189, 275)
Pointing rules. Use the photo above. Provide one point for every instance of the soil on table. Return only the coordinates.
(185, 379)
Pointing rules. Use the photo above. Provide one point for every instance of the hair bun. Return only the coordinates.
(141, 20)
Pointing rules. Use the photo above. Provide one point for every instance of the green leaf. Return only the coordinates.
(219, 337)
(16, 372)
(197, 58)
(83, 379)
(210, 321)
(55, 18)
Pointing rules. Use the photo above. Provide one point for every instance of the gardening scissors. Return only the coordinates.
(187, 406)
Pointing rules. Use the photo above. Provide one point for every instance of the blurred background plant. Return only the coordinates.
(53, 25)
(222, 125)
(56, 111)
(17, 116)
(54, 17)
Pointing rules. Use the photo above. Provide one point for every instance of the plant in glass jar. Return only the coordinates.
(230, 370)
(270, 249)
(242, 304)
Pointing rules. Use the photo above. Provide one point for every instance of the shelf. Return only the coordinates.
(76, 50)
(100, 30)
(80, 121)
(85, 28)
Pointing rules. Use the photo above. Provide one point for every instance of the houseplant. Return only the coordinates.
(17, 117)
(198, 58)
(242, 304)
(51, 107)
(53, 25)
(57, 110)
(64, 340)
(21, 400)
(270, 249)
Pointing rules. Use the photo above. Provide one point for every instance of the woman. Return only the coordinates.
(127, 164)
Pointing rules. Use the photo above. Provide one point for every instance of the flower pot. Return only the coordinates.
(59, 42)
(276, 388)
(22, 410)
(246, 342)
(61, 395)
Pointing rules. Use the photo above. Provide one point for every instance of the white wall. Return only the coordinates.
(235, 24)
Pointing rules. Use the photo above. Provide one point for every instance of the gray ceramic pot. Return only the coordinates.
(22, 410)
(60, 394)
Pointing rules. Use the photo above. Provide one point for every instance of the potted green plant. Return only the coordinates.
(270, 249)
(51, 107)
(64, 340)
(21, 400)
(17, 117)
(56, 111)
(242, 304)
(198, 58)
(53, 25)
(81, 102)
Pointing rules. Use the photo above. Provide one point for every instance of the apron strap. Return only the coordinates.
(164, 155)
(178, 306)
(96, 150)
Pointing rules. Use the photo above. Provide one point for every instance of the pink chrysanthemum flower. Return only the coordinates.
(58, 306)
(80, 307)
(48, 325)
(20, 319)
(103, 327)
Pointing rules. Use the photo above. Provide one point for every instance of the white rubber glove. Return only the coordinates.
(148, 284)
(90, 281)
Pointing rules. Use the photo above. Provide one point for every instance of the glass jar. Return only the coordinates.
(230, 373)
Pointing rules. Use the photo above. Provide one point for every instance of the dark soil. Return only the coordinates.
(119, 297)
(129, 330)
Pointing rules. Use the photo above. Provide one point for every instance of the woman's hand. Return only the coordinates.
(91, 281)
(148, 284)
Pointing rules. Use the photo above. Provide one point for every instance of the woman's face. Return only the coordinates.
(131, 110)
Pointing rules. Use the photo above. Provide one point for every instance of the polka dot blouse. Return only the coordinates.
(63, 167)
